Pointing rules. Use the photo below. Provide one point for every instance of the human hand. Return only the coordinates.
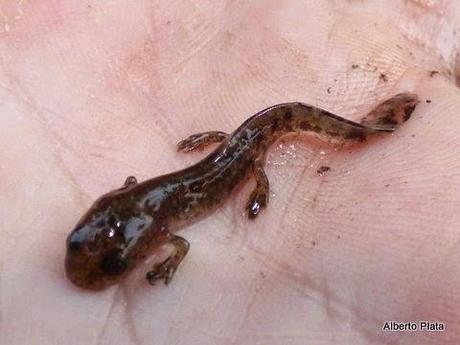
(92, 93)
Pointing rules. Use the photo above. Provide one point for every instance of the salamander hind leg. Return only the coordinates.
(166, 269)
(260, 195)
(201, 140)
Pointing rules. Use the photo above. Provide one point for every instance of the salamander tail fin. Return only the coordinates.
(388, 115)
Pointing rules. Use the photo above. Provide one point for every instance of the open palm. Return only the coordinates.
(91, 93)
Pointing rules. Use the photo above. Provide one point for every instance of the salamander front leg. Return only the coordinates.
(201, 140)
(130, 180)
(167, 268)
(259, 196)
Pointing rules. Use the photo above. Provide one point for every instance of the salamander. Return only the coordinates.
(124, 227)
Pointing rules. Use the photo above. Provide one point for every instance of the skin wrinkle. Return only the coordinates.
(286, 274)
(238, 225)
(326, 302)
(413, 60)
(128, 70)
(100, 337)
(250, 305)
(200, 47)
(457, 65)
(177, 308)
(317, 191)
(428, 49)
(284, 213)
(52, 134)
(131, 324)
(122, 122)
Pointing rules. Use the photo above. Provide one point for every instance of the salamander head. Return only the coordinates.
(106, 243)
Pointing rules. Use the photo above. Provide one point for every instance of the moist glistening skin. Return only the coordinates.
(126, 225)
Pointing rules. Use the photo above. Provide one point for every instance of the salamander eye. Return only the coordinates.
(74, 245)
(113, 265)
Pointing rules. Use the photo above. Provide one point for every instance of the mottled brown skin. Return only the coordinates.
(124, 226)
